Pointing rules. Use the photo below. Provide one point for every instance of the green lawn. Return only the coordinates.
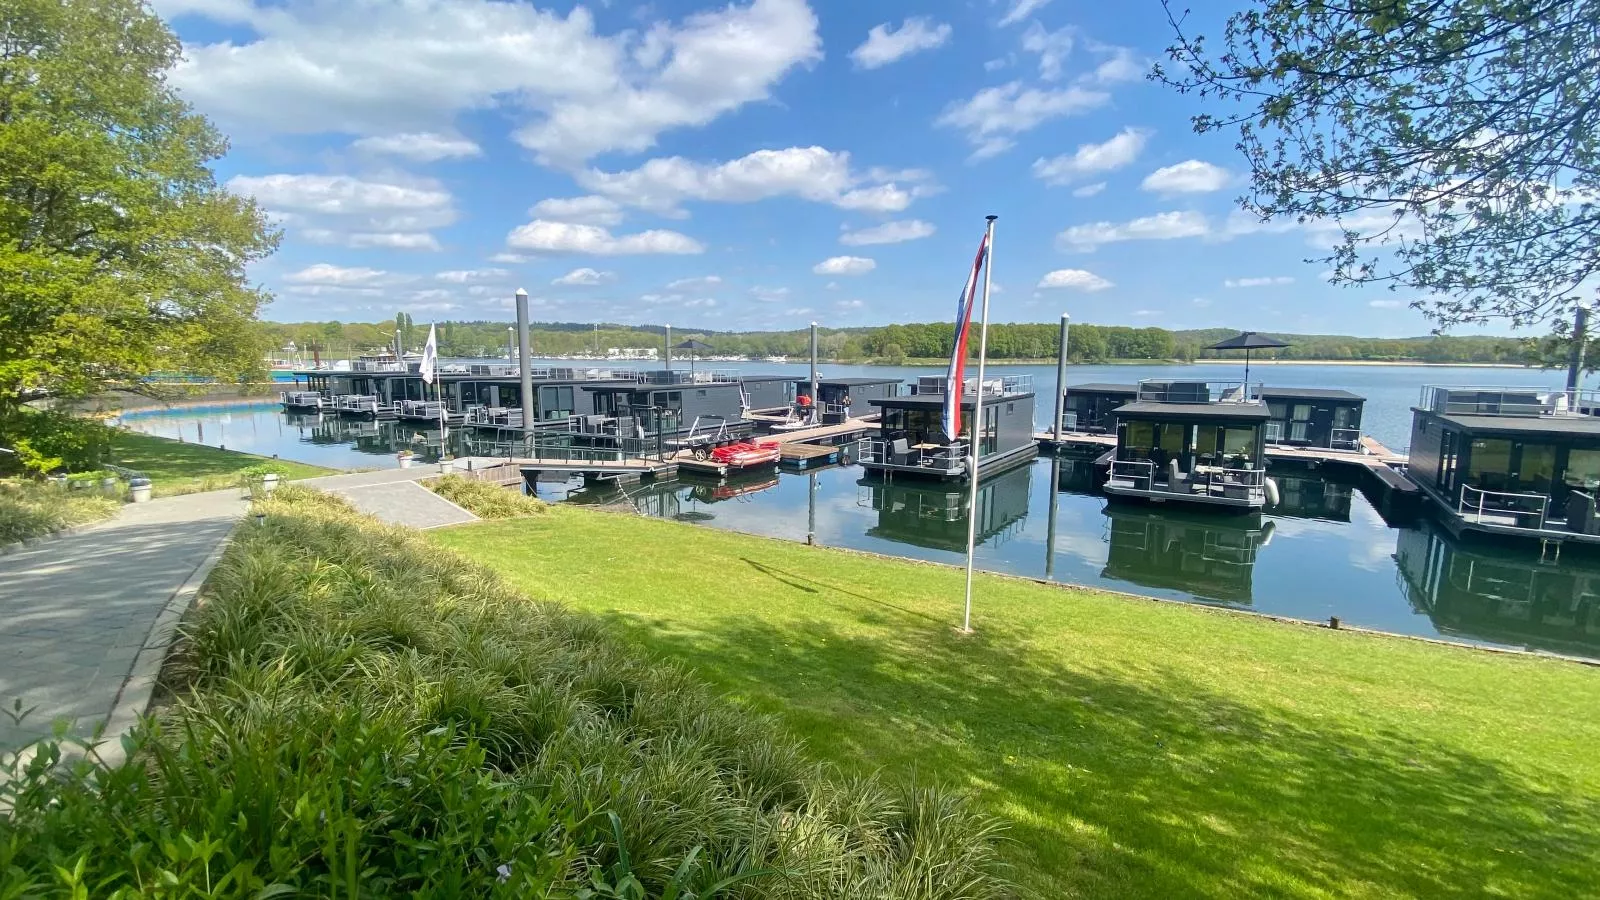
(1139, 749)
(175, 467)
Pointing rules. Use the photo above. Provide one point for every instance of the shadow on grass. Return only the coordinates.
(1147, 784)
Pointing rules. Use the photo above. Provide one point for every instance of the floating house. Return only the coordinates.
(840, 399)
(1509, 461)
(911, 441)
(665, 403)
(770, 393)
(1192, 442)
(930, 515)
(1299, 417)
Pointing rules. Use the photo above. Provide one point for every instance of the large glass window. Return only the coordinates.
(1583, 470)
(1490, 464)
(1238, 444)
(1537, 470)
(1140, 436)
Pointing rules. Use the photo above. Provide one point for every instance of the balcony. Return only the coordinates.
(1508, 401)
(1160, 391)
(993, 386)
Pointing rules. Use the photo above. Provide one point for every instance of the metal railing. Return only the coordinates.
(946, 458)
(356, 403)
(419, 409)
(1135, 474)
(1234, 484)
(1507, 401)
(1345, 439)
(302, 398)
(376, 365)
(494, 416)
(993, 385)
(1152, 390)
(1479, 505)
(1069, 420)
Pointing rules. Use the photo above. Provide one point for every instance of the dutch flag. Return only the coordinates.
(956, 377)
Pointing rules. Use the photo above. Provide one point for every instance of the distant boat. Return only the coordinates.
(776, 359)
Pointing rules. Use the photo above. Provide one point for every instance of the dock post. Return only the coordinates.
(1055, 491)
(669, 348)
(525, 349)
(815, 411)
(1061, 381)
(1580, 334)
(811, 509)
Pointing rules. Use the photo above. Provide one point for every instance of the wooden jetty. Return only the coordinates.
(847, 428)
(805, 456)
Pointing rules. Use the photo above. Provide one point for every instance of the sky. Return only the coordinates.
(759, 164)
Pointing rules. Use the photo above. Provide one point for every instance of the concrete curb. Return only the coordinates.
(133, 698)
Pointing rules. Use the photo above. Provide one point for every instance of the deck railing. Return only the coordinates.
(419, 409)
(494, 416)
(1152, 390)
(1484, 507)
(302, 398)
(1236, 484)
(993, 385)
(950, 457)
(1135, 474)
(356, 403)
(1346, 439)
(1507, 401)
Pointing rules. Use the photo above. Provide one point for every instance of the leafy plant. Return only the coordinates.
(485, 500)
(260, 471)
(29, 511)
(47, 441)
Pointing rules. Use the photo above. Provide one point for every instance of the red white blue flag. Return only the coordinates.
(956, 377)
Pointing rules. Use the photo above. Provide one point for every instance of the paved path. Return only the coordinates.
(77, 612)
(404, 503)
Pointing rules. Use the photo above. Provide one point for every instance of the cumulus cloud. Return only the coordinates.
(1387, 304)
(1271, 281)
(993, 117)
(1188, 177)
(1074, 279)
(354, 212)
(564, 237)
(420, 146)
(1021, 9)
(888, 233)
(845, 265)
(369, 67)
(329, 274)
(1090, 159)
(584, 277)
(1159, 227)
(809, 173)
(1089, 190)
(770, 294)
(1052, 48)
(885, 44)
(590, 210)
(473, 276)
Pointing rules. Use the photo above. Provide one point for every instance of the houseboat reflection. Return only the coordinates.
(931, 515)
(1176, 550)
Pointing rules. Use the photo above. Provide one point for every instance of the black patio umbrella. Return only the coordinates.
(693, 346)
(1248, 341)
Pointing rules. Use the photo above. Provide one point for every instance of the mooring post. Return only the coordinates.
(1061, 381)
(1580, 334)
(525, 350)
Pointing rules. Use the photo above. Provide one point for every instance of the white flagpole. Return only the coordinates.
(977, 423)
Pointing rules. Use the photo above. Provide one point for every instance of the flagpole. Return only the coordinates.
(977, 424)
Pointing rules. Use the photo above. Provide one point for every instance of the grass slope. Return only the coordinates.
(175, 467)
(1140, 749)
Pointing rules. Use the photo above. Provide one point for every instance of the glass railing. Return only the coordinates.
(1507, 401)
(1153, 390)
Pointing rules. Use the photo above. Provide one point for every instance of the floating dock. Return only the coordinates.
(849, 428)
(598, 469)
(808, 456)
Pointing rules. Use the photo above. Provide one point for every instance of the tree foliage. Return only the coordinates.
(119, 253)
(1457, 142)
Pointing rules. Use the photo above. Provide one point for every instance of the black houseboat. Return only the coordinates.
(1509, 461)
(911, 439)
(1299, 417)
(1192, 442)
(839, 399)
(770, 393)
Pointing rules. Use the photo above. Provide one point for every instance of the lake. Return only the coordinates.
(1323, 552)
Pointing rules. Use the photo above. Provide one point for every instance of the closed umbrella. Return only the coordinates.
(693, 346)
(1248, 341)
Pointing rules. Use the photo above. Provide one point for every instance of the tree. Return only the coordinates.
(1454, 142)
(120, 255)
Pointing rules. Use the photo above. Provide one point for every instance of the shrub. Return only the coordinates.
(29, 511)
(356, 708)
(48, 441)
(485, 500)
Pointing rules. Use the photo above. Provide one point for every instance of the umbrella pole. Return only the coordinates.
(1246, 373)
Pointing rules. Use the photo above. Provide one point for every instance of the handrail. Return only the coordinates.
(1165, 390)
(1466, 505)
(1501, 400)
(948, 457)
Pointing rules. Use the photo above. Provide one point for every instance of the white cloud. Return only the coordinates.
(770, 294)
(420, 146)
(1159, 227)
(994, 116)
(1146, 313)
(810, 173)
(702, 283)
(563, 237)
(845, 265)
(584, 277)
(590, 210)
(1266, 281)
(888, 233)
(1052, 48)
(885, 45)
(329, 274)
(509, 258)
(1021, 9)
(1201, 302)
(701, 303)
(1074, 279)
(849, 304)
(1089, 190)
(1119, 66)
(996, 64)
(1387, 304)
(342, 209)
(1188, 177)
(372, 68)
(473, 276)
(1089, 159)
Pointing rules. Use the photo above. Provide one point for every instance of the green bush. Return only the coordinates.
(485, 500)
(29, 511)
(356, 709)
(47, 441)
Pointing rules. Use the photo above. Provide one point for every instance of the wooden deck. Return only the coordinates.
(823, 432)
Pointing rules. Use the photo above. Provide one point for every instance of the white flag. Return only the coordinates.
(430, 356)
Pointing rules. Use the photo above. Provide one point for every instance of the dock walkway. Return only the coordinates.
(823, 432)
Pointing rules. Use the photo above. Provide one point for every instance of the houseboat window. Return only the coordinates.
(1537, 472)
(1238, 442)
(1140, 438)
(700, 393)
(1489, 465)
(1205, 444)
(1583, 470)
(1278, 410)
(555, 403)
(1343, 417)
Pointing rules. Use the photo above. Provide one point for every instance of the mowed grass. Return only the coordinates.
(1138, 749)
(175, 467)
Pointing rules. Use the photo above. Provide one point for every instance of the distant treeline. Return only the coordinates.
(893, 343)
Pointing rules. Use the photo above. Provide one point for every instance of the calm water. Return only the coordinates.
(1324, 552)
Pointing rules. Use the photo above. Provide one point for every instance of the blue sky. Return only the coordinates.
(759, 164)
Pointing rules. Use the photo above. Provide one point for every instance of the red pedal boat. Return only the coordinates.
(748, 455)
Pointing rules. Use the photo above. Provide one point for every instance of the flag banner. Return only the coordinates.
(430, 356)
(956, 377)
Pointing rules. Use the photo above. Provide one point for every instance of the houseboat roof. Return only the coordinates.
(1237, 412)
(854, 382)
(773, 378)
(1286, 393)
(1570, 425)
(916, 401)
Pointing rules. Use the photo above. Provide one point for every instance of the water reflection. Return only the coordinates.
(1491, 594)
(1211, 557)
(935, 515)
